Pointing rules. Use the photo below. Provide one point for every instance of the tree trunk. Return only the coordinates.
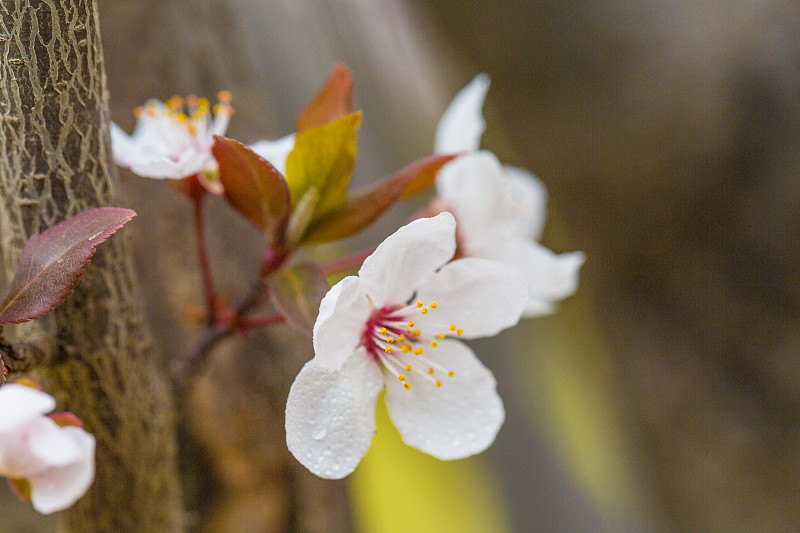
(56, 163)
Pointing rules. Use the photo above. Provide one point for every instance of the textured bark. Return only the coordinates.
(55, 162)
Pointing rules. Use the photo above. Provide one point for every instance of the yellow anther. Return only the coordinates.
(203, 103)
(438, 382)
(137, 111)
(417, 351)
(406, 386)
(419, 303)
(451, 374)
(191, 100)
(417, 333)
(452, 327)
(405, 348)
(434, 344)
(430, 371)
(440, 336)
(408, 367)
(401, 377)
(389, 339)
(459, 331)
(434, 305)
(224, 96)
(410, 324)
(401, 338)
(383, 331)
(423, 311)
(388, 349)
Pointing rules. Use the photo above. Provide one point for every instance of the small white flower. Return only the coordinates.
(57, 462)
(170, 140)
(396, 325)
(501, 210)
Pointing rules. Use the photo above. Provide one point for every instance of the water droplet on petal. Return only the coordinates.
(319, 433)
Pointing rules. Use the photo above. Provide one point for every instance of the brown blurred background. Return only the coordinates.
(666, 395)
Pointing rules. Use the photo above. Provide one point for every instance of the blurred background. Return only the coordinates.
(664, 396)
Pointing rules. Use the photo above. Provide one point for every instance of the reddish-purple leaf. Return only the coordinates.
(365, 205)
(52, 262)
(296, 293)
(334, 100)
(253, 187)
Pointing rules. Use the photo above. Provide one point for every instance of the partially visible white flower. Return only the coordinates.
(501, 212)
(396, 325)
(276, 152)
(57, 462)
(170, 140)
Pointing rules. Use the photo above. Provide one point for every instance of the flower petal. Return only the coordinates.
(276, 152)
(343, 313)
(407, 258)
(189, 162)
(51, 444)
(462, 124)
(58, 488)
(525, 203)
(550, 276)
(471, 187)
(458, 419)
(330, 416)
(20, 404)
(480, 296)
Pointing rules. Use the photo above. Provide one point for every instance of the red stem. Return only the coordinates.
(345, 263)
(202, 256)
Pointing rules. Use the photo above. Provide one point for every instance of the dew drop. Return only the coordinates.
(319, 433)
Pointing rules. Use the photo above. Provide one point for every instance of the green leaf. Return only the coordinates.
(323, 159)
(365, 205)
(334, 100)
(296, 293)
(52, 262)
(253, 187)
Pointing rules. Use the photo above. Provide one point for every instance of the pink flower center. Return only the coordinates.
(402, 346)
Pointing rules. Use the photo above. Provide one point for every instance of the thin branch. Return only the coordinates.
(347, 262)
(202, 256)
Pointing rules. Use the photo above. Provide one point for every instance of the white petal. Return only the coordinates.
(123, 147)
(276, 152)
(20, 404)
(525, 201)
(458, 419)
(342, 316)
(58, 488)
(462, 124)
(188, 163)
(407, 258)
(480, 296)
(330, 416)
(550, 276)
(51, 444)
(472, 188)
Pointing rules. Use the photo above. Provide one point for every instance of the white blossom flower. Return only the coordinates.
(57, 462)
(171, 140)
(501, 210)
(396, 325)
